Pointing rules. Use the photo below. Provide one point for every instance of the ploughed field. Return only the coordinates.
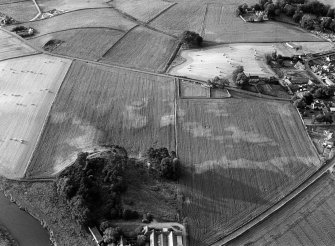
(100, 105)
(241, 156)
(21, 11)
(11, 47)
(28, 88)
(309, 219)
(143, 10)
(142, 48)
(81, 43)
(105, 17)
(221, 25)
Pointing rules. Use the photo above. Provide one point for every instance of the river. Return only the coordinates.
(26, 230)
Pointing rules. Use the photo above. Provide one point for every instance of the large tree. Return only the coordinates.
(191, 39)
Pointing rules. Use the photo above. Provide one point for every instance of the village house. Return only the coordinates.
(317, 105)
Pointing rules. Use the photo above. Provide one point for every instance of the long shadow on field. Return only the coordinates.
(219, 200)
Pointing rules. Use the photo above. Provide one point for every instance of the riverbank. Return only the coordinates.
(6, 238)
(40, 201)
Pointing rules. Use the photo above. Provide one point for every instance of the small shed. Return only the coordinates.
(96, 235)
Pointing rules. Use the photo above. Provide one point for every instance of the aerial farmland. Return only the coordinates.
(120, 114)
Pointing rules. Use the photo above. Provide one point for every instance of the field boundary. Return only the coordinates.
(203, 23)
(172, 57)
(38, 10)
(20, 56)
(75, 28)
(125, 34)
(46, 119)
(294, 193)
(19, 1)
(162, 12)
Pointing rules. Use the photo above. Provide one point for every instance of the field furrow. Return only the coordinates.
(97, 106)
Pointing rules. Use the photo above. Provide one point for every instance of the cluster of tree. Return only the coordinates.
(323, 92)
(327, 118)
(92, 186)
(239, 77)
(264, 5)
(218, 82)
(167, 164)
(191, 39)
(301, 103)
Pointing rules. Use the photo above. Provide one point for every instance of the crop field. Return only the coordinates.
(309, 219)
(142, 48)
(28, 89)
(242, 156)
(99, 105)
(70, 5)
(15, 10)
(143, 10)
(82, 43)
(108, 18)
(222, 60)
(221, 25)
(181, 17)
(11, 47)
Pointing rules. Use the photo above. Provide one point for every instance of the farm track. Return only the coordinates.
(203, 24)
(19, 1)
(162, 12)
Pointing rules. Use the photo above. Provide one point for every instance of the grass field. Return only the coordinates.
(83, 18)
(181, 17)
(221, 60)
(28, 88)
(12, 47)
(143, 10)
(309, 219)
(70, 5)
(242, 156)
(187, 89)
(221, 25)
(142, 48)
(99, 105)
(15, 10)
(82, 43)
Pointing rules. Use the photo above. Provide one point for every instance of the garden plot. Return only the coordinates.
(28, 87)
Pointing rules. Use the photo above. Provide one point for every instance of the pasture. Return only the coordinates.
(221, 25)
(107, 18)
(11, 47)
(189, 89)
(28, 88)
(82, 43)
(143, 10)
(181, 17)
(241, 156)
(70, 5)
(99, 105)
(309, 219)
(21, 11)
(222, 60)
(142, 48)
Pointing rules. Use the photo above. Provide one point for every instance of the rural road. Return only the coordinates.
(328, 166)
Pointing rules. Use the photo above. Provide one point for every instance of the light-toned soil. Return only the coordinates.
(99, 105)
(83, 18)
(70, 5)
(82, 43)
(221, 25)
(142, 48)
(20, 11)
(241, 156)
(222, 60)
(28, 88)
(11, 47)
(143, 10)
